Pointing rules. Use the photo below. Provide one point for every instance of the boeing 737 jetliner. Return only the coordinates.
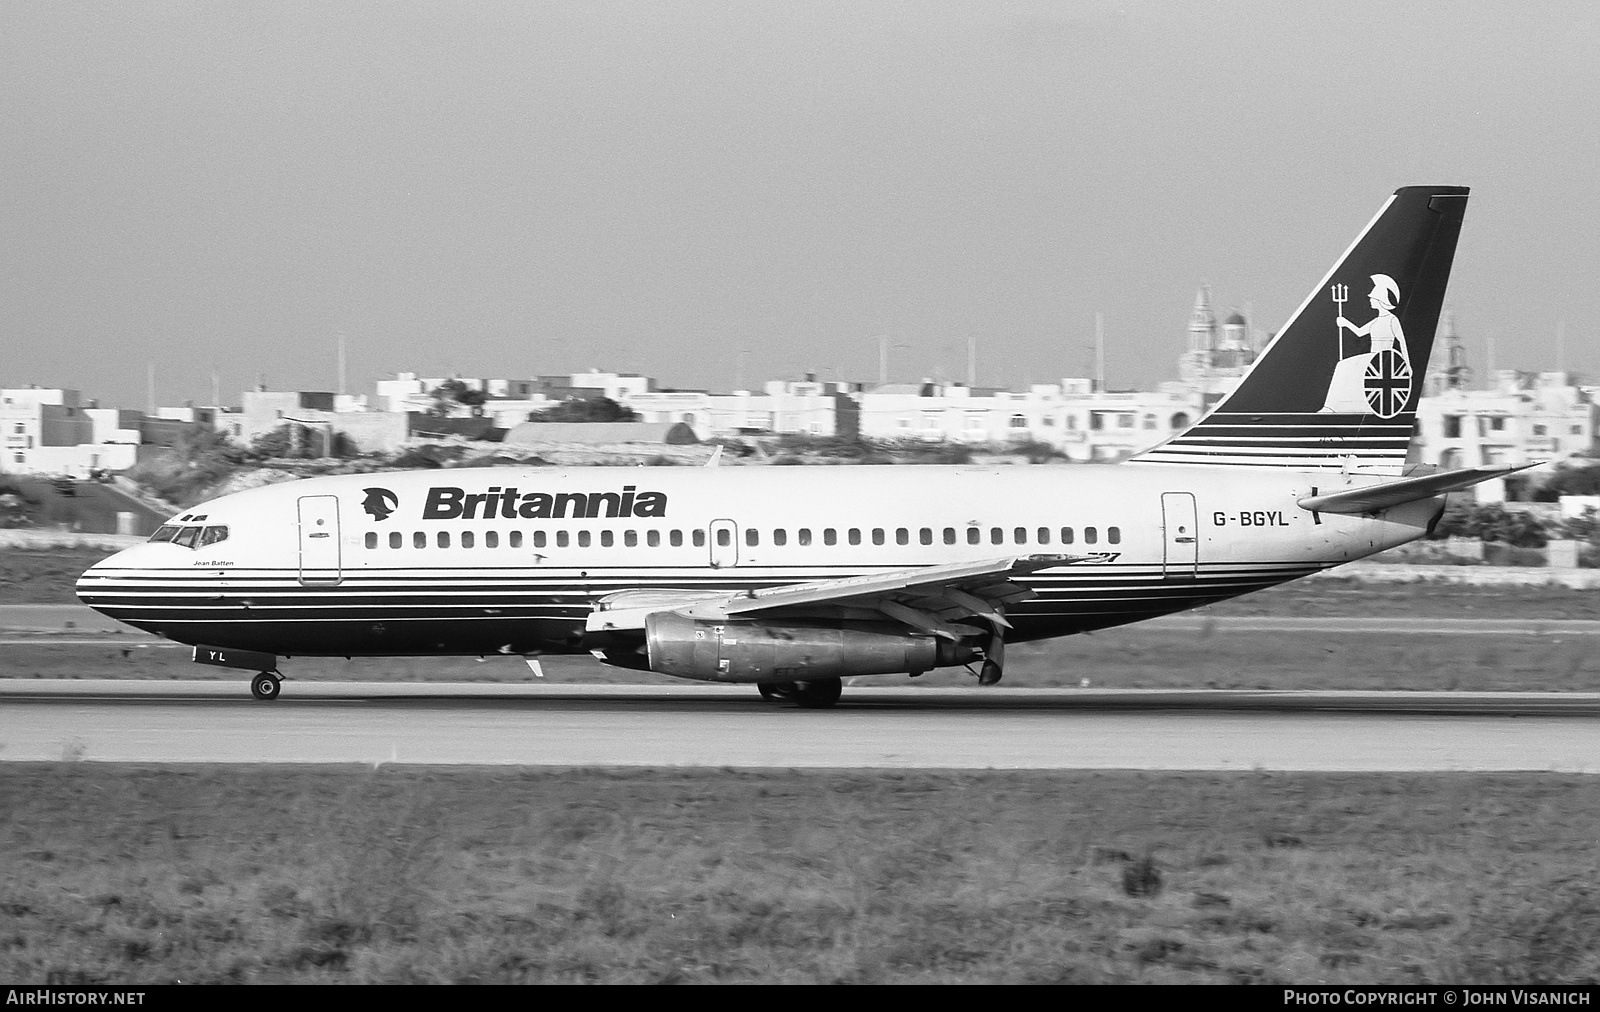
(792, 578)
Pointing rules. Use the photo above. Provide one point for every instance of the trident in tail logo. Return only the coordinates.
(1341, 295)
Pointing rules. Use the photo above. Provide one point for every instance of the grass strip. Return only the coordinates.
(116, 874)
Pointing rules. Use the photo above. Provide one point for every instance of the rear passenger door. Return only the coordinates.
(1180, 522)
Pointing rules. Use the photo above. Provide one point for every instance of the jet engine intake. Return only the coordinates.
(799, 650)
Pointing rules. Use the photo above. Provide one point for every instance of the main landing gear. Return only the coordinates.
(817, 695)
(265, 686)
(994, 659)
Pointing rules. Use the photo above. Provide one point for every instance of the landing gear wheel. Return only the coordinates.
(775, 691)
(818, 695)
(265, 686)
(989, 674)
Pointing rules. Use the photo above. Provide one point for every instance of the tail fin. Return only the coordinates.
(1330, 388)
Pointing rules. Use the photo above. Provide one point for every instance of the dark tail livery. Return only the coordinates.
(1338, 386)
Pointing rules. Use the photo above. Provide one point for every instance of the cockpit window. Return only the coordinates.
(190, 536)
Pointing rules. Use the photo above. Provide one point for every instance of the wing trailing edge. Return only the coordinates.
(1373, 498)
(929, 598)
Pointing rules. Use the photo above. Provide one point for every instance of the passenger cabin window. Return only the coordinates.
(1020, 535)
(780, 537)
(562, 539)
(902, 536)
(855, 535)
(491, 539)
(606, 539)
(949, 535)
(630, 539)
(1044, 535)
(699, 538)
(584, 539)
(974, 535)
(1090, 535)
(372, 539)
(997, 536)
(419, 540)
(396, 539)
(467, 539)
(443, 539)
(724, 537)
(1114, 535)
(925, 535)
(652, 538)
(830, 536)
(877, 535)
(675, 539)
(803, 535)
(1066, 535)
(516, 539)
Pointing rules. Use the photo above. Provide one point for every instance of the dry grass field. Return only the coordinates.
(127, 874)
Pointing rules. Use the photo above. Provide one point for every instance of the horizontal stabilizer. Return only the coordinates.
(1372, 498)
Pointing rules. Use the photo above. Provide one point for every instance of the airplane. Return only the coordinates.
(794, 578)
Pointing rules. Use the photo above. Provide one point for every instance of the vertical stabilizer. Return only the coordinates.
(1338, 386)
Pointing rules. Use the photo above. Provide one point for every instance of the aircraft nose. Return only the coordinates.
(93, 584)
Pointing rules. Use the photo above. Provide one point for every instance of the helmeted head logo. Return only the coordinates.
(379, 503)
(1376, 380)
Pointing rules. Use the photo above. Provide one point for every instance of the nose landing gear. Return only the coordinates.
(266, 685)
(263, 686)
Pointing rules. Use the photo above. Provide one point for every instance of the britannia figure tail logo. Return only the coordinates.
(1378, 380)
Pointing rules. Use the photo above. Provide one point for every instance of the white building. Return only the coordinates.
(803, 407)
(46, 430)
(1523, 418)
(1070, 416)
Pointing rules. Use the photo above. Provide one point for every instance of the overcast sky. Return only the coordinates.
(682, 189)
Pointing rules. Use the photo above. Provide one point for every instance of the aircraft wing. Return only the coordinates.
(1372, 498)
(930, 598)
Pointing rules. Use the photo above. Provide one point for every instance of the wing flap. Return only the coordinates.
(932, 598)
(973, 577)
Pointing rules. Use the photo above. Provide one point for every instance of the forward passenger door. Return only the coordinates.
(319, 540)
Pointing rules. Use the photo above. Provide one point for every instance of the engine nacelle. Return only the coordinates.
(800, 650)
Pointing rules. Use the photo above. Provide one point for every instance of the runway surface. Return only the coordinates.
(569, 725)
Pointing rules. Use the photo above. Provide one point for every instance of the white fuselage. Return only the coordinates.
(473, 561)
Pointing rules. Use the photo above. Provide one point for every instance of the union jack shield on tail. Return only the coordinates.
(1388, 383)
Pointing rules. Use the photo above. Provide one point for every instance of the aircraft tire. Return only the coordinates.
(818, 695)
(775, 691)
(265, 687)
(989, 674)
